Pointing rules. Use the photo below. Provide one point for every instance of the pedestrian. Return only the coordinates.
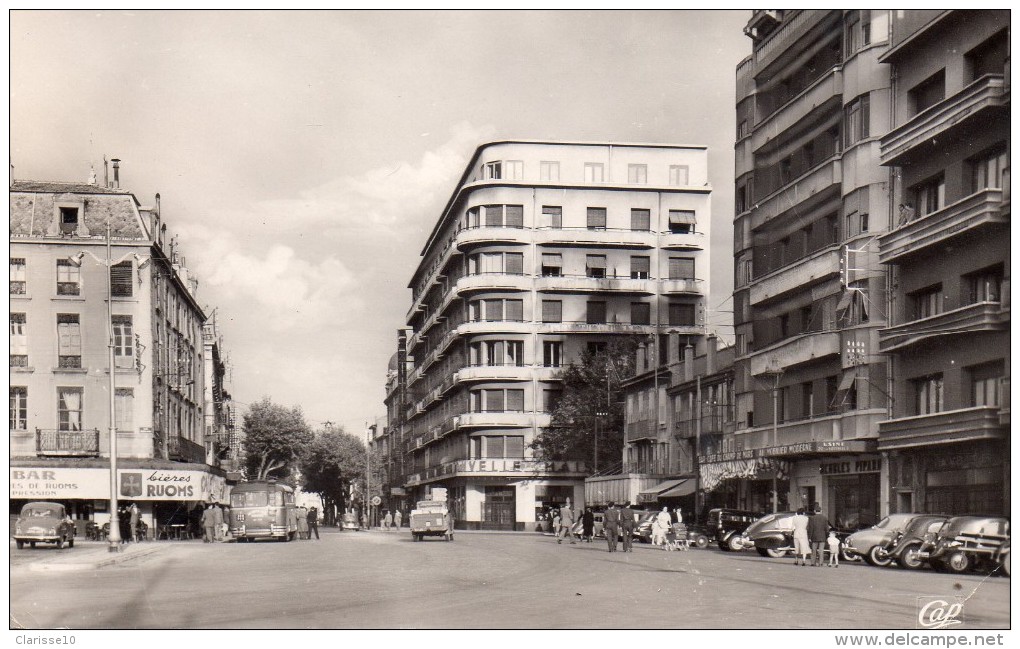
(217, 518)
(612, 525)
(313, 522)
(208, 525)
(398, 518)
(660, 525)
(818, 531)
(833, 549)
(449, 524)
(587, 524)
(364, 521)
(566, 522)
(302, 523)
(124, 524)
(555, 518)
(627, 527)
(387, 521)
(134, 517)
(800, 536)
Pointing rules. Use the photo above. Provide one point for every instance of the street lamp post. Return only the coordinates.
(776, 373)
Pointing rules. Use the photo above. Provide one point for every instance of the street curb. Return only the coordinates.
(59, 566)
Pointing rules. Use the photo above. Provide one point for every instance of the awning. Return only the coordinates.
(650, 495)
(682, 217)
(596, 261)
(848, 379)
(685, 488)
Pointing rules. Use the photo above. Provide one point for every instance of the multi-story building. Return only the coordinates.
(545, 249)
(222, 442)
(90, 269)
(811, 197)
(947, 337)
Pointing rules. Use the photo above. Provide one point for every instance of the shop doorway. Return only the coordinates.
(499, 508)
(853, 501)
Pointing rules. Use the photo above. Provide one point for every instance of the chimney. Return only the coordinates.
(688, 362)
(106, 172)
(116, 172)
(712, 346)
(639, 365)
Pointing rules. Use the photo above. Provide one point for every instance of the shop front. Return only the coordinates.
(953, 479)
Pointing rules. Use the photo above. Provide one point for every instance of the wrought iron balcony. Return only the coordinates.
(71, 443)
(183, 449)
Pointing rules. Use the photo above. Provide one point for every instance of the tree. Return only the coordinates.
(590, 403)
(274, 438)
(330, 465)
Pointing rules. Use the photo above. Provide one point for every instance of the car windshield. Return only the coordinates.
(42, 511)
(956, 526)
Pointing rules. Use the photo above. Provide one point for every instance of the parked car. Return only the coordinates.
(697, 535)
(873, 543)
(43, 522)
(904, 548)
(968, 543)
(726, 525)
(1003, 557)
(349, 522)
(772, 536)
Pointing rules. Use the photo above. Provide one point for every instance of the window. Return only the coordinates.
(494, 216)
(514, 216)
(987, 171)
(513, 263)
(928, 394)
(930, 196)
(552, 216)
(19, 408)
(124, 407)
(514, 446)
(681, 268)
(68, 220)
(985, 285)
(593, 172)
(515, 401)
(68, 340)
(678, 175)
(596, 348)
(552, 353)
(120, 279)
(984, 383)
(681, 315)
(514, 310)
(596, 218)
(18, 340)
(514, 353)
(640, 313)
(927, 302)
(68, 278)
(552, 264)
(807, 399)
(493, 309)
(492, 171)
(69, 408)
(989, 57)
(640, 220)
(549, 171)
(552, 311)
(595, 266)
(514, 169)
(858, 116)
(123, 341)
(18, 283)
(550, 399)
(637, 174)
(596, 312)
(858, 30)
(639, 267)
(472, 220)
(929, 92)
(681, 221)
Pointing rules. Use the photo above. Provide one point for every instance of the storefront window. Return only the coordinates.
(853, 501)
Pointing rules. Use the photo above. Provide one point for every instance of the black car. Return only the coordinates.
(726, 525)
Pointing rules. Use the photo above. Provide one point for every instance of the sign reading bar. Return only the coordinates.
(802, 448)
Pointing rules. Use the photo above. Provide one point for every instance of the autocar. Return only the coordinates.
(873, 544)
(772, 536)
(726, 525)
(904, 549)
(43, 522)
(598, 529)
(349, 522)
(968, 543)
(697, 535)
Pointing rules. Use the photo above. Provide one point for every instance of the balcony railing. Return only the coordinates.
(69, 362)
(965, 424)
(982, 316)
(70, 443)
(68, 288)
(798, 193)
(18, 288)
(19, 360)
(803, 272)
(183, 449)
(643, 429)
(795, 351)
(609, 283)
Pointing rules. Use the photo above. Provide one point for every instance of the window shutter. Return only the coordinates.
(494, 216)
(493, 309)
(515, 310)
(640, 220)
(493, 446)
(515, 400)
(515, 216)
(596, 261)
(120, 279)
(514, 263)
(596, 313)
(640, 264)
(514, 446)
(552, 311)
(554, 259)
(596, 217)
(681, 268)
(554, 216)
(493, 400)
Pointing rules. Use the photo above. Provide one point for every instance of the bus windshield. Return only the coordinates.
(249, 499)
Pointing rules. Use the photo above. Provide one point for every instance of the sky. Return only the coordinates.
(302, 158)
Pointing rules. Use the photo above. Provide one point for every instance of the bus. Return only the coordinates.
(262, 510)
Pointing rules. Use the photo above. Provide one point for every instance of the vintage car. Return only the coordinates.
(904, 548)
(349, 521)
(968, 543)
(42, 522)
(772, 536)
(726, 525)
(873, 543)
(430, 518)
(697, 535)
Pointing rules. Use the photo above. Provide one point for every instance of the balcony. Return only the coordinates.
(795, 351)
(688, 286)
(502, 420)
(789, 30)
(494, 373)
(981, 316)
(582, 327)
(470, 237)
(966, 424)
(827, 90)
(493, 326)
(927, 131)
(643, 429)
(978, 210)
(619, 284)
(682, 240)
(798, 275)
(801, 193)
(601, 238)
(67, 443)
(493, 282)
(182, 449)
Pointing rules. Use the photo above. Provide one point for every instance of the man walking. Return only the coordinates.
(611, 524)
(217, 518)
(208, 524)
(135, 517)
(387, 521)
(818, 531)
(398, 518)
(627, 527)
(566, 522)
(313, 523)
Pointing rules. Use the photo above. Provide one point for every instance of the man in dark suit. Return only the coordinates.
(611, 524)
(818, 531)
(627, 527)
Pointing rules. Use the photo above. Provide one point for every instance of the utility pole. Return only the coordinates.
(114, 536)
(697, 448)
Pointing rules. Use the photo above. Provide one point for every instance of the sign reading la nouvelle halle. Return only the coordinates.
(94, 483)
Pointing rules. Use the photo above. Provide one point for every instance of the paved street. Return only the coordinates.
(482, 580)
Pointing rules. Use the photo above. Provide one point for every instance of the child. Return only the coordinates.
(833, 550)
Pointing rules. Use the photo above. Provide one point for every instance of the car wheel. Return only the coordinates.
(909, 558)
(847, 557)
(701, 541)
(20, 544)
(877, 556)
(733, 544)
(769, 552)
(958, 562)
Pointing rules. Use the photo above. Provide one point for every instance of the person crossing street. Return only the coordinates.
(313, 523)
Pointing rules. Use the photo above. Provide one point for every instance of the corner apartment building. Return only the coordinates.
(61, 286)
(949, 253)
(544, 249)
(809, 299)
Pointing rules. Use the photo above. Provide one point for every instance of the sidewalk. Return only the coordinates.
(92, 555)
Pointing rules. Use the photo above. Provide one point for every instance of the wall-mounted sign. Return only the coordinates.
(804, 449)
(858, 465)
(132, 484)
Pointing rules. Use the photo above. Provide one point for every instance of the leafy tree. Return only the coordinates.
(274, 438)
(591, 393)
(333, 461)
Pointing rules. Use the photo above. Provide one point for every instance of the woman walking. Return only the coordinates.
(801, 544)
(587, 525)
(660, 526)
